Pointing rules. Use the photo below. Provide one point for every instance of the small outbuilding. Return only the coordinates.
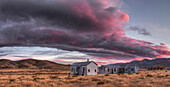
(111, 69)
(131, 69)
(84, 68)
(105, 69)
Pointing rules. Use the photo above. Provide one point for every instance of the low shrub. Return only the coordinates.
(130, 73)
(94, 79)
(160, 76)
(100, 83)
(120, 73)
(149, 75)
(12, 80)
(167, 75)
(107, 75)
(137, 73)
(75, 81)
(82, 79)
(35, 79)
(54, 77)
(74, 75)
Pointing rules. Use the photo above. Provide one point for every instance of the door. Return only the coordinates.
(83, 71)
(112, 71)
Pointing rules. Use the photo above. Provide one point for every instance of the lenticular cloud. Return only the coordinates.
(95, 27)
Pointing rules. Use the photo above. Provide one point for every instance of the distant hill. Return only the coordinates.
(31, 64)
(144, 64)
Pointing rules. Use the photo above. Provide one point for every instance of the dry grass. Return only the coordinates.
(141, 79)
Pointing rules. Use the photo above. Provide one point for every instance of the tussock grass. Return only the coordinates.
(145, 78)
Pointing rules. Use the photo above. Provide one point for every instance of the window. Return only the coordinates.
(95, 70)
(88, 70)
(132, 69)
(115, 69)
(71, 69)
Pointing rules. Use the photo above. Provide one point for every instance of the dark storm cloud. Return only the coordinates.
(76, 58)
(58, 13)
(140, 30)
(90, 26)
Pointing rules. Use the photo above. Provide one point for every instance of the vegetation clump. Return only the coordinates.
(54, 77)
(94, 79)
(100, 83)
(149, 75)
(12, 80)
(137, 73)
(160, 76)
(120, 73)
(107, 75)
(167, 75)
(130, 73)
(74, 75)
(157, 68)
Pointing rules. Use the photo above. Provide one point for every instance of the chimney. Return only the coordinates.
(87, 60)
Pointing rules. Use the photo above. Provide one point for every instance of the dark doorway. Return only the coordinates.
(83, 72)
(112, 71)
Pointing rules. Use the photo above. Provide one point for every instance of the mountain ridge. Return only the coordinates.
(31, 64)
(146, 63)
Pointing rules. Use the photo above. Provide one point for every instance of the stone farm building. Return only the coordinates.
(111, 69)
(84, 68)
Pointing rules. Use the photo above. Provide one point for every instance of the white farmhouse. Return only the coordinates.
(84, 68)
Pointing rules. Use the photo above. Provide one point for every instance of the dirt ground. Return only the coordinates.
(48, 78)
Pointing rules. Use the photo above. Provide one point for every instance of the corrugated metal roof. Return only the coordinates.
(82, 63)
(111, 66)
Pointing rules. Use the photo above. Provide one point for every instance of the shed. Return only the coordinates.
(131, 69)
(106, 69)
(111, 69)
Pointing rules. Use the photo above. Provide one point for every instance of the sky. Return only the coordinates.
(153, 15)
(68, 31)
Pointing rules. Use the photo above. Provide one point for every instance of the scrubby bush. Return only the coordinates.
(53, 77)
(94, 79)
(157, 68)
(149, 75)
(100, 83)
(107, 75)
(130, 73)
(74, 75)
(12, 80)
(167, 75)
(137, 73)
(36, 78)
(74, 81)
(160, 76)
(120, 73)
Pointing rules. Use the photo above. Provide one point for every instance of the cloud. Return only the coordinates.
(93, 27)
(140, 30)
